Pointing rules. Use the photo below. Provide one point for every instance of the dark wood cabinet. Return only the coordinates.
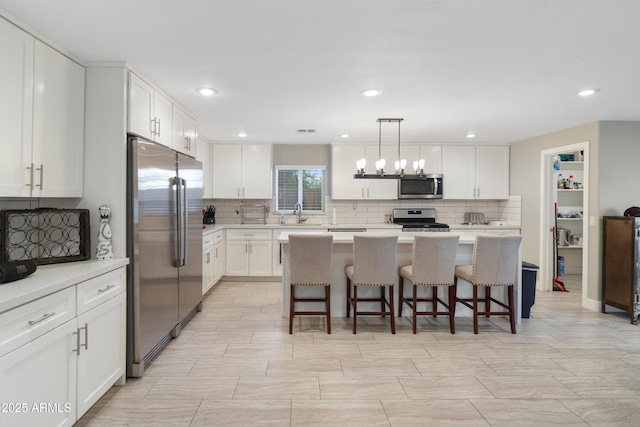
(621, 264)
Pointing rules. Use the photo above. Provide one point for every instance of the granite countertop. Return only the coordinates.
(48, 279)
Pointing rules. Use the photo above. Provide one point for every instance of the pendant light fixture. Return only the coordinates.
(400, 163)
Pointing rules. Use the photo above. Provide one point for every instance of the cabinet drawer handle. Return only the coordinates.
(30, 169)
(77, 334)
(158, 122)
(41, 169)
(44, 317)
(86, 336)
(106, 288)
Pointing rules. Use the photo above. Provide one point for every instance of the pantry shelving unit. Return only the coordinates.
(571, 201)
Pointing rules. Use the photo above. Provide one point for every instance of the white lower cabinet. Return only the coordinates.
(53, 379)
(213, 256)
(219, 267)
(102, 349)
(38, 381)
(208, 271)
(248, 252)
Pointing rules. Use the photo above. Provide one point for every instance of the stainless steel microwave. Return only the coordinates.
(428, 186)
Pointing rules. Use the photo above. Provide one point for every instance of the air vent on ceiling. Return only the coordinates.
(305, 130)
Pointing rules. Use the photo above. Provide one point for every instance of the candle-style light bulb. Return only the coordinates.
(397, 165)
(415, 166)
(403, 163)
(421, 163)
(380, 167)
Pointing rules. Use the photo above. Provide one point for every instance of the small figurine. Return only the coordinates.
(104, 250)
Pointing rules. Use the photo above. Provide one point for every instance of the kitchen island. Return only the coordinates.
(342, 256)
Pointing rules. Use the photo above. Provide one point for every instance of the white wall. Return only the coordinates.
(614, 150)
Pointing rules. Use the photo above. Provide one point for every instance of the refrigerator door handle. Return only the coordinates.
(185, 222)
(181, 198)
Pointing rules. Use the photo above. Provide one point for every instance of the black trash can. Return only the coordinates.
(529, 272)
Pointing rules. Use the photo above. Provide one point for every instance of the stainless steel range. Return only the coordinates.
(421, 219)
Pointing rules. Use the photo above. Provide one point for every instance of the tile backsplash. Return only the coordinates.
(373, 211)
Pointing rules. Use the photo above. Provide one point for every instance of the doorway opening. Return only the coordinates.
(570, 200)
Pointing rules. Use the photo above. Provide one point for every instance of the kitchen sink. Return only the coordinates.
(304, 224)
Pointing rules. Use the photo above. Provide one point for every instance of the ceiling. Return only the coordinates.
(505, 70)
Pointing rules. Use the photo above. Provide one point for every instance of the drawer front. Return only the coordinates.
(218, 236)
(95, 291)
(249, 234)
(29, 321)
(208, 242)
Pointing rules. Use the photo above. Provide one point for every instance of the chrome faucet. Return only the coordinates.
(297, 210)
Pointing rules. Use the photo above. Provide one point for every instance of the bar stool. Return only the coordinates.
(310, 265)
(433, 263)
(374, 264)
(495, 263)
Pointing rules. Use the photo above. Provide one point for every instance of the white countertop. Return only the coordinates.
(403, 237)
(48, 279)
(215, 227)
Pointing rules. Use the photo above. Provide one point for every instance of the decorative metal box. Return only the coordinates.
(46, 235)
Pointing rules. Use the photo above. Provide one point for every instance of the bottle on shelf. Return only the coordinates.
(571, 182)
(560, 181)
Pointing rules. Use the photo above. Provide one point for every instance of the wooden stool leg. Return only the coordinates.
(355, 307)
(415, 306)
(393, 317)
(475, 309)
(382, 307)
(400, 294)
(487, 301)
(434, 301)
(512, 317)
(452, 305)
(291, 297)
(327, 296)
(348, 297)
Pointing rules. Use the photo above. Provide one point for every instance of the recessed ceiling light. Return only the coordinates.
(589, 92)
(242, 134)
(371, 92)
(207, 91)
(471, 135)
(344, 135)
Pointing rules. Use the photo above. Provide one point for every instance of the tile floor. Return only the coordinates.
(236, 365)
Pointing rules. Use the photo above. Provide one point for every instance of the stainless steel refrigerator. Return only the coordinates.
(621, 264)
(164, 233)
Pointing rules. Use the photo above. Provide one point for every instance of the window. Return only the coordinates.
(300, 185)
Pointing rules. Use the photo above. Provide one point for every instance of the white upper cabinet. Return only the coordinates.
(475, 172)
(432, 155)
(203, 153)
(241, 171)
(343, 167)
(58, 124)
(184, 132)
(16, 107)
(41, 118)
(150, 112)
